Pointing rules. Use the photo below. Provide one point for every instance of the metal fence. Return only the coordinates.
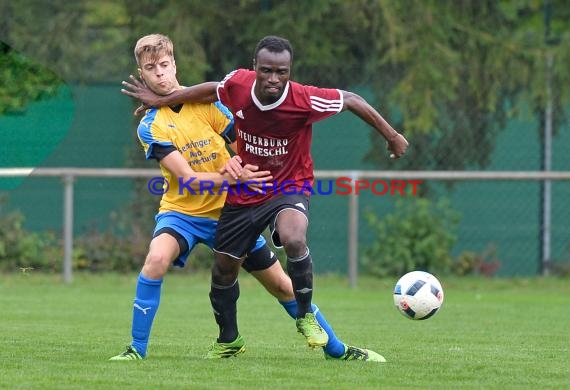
(355, 181)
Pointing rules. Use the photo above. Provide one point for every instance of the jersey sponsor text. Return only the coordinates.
(264, 146)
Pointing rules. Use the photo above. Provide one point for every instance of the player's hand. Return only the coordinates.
(233, 167)
(397, 146)
(137, 89)
(259, 181)
(141, 109)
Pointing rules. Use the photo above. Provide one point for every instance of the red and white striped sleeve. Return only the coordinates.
(324, 102)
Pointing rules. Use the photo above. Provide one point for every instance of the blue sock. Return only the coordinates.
(335, 347)
(145, 306)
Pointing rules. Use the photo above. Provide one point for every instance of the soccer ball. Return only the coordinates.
(418, 295)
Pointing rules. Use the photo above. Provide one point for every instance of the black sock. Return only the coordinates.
(300, 271)
(224, 303)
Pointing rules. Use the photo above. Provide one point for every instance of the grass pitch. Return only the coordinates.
(489, 334)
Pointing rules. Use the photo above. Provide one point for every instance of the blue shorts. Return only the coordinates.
(194, 230)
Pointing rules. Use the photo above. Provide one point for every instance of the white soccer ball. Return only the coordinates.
(418, 295)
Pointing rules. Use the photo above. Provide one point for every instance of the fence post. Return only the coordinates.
(353, 233)
(68, 180)
(546, 193)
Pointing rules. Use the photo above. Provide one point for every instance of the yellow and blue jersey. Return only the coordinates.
(198, 132)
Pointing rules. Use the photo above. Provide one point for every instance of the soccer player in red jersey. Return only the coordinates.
(273, 117)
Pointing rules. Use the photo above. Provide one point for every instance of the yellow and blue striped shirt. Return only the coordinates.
(197, 132)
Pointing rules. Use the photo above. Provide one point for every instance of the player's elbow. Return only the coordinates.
(351, 100)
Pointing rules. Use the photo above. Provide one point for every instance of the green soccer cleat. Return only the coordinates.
(355, 353)
(130, 354)
(226, 350)
(309, 327)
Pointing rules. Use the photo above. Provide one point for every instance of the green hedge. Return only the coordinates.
(418, 235)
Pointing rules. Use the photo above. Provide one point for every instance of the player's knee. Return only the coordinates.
(293, 239)
(156, 264)
(224, 273)
(217, 274)
(294, 245)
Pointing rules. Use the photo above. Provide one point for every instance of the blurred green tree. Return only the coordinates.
(454, 71)
(448, 74)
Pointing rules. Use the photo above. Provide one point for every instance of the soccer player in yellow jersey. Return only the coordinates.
(189, 141)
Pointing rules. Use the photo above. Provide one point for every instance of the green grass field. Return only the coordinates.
(490, 334)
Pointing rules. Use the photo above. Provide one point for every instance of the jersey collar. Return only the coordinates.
(272, 105)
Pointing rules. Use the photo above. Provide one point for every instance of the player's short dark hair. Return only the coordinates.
(273, 44)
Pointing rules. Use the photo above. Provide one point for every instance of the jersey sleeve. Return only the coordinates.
(324, 102)
(225, 86)
(151, 135)
(223, 121)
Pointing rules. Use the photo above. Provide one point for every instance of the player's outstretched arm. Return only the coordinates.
(396, 142)
(199, 93)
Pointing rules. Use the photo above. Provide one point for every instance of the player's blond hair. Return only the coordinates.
(152, 47)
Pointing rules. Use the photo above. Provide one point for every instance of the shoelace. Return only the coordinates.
(130, 352)
(217, 346)
(356, 354)
(213, 347)
(314, 325)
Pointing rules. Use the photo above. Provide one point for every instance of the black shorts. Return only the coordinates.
(240, 226)
(258, 260)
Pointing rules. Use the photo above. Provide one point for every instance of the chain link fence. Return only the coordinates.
(500, 221)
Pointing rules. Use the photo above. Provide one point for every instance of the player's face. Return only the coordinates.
(272, 74)
(159, 75)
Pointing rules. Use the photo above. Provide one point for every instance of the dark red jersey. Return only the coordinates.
(276, 137)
